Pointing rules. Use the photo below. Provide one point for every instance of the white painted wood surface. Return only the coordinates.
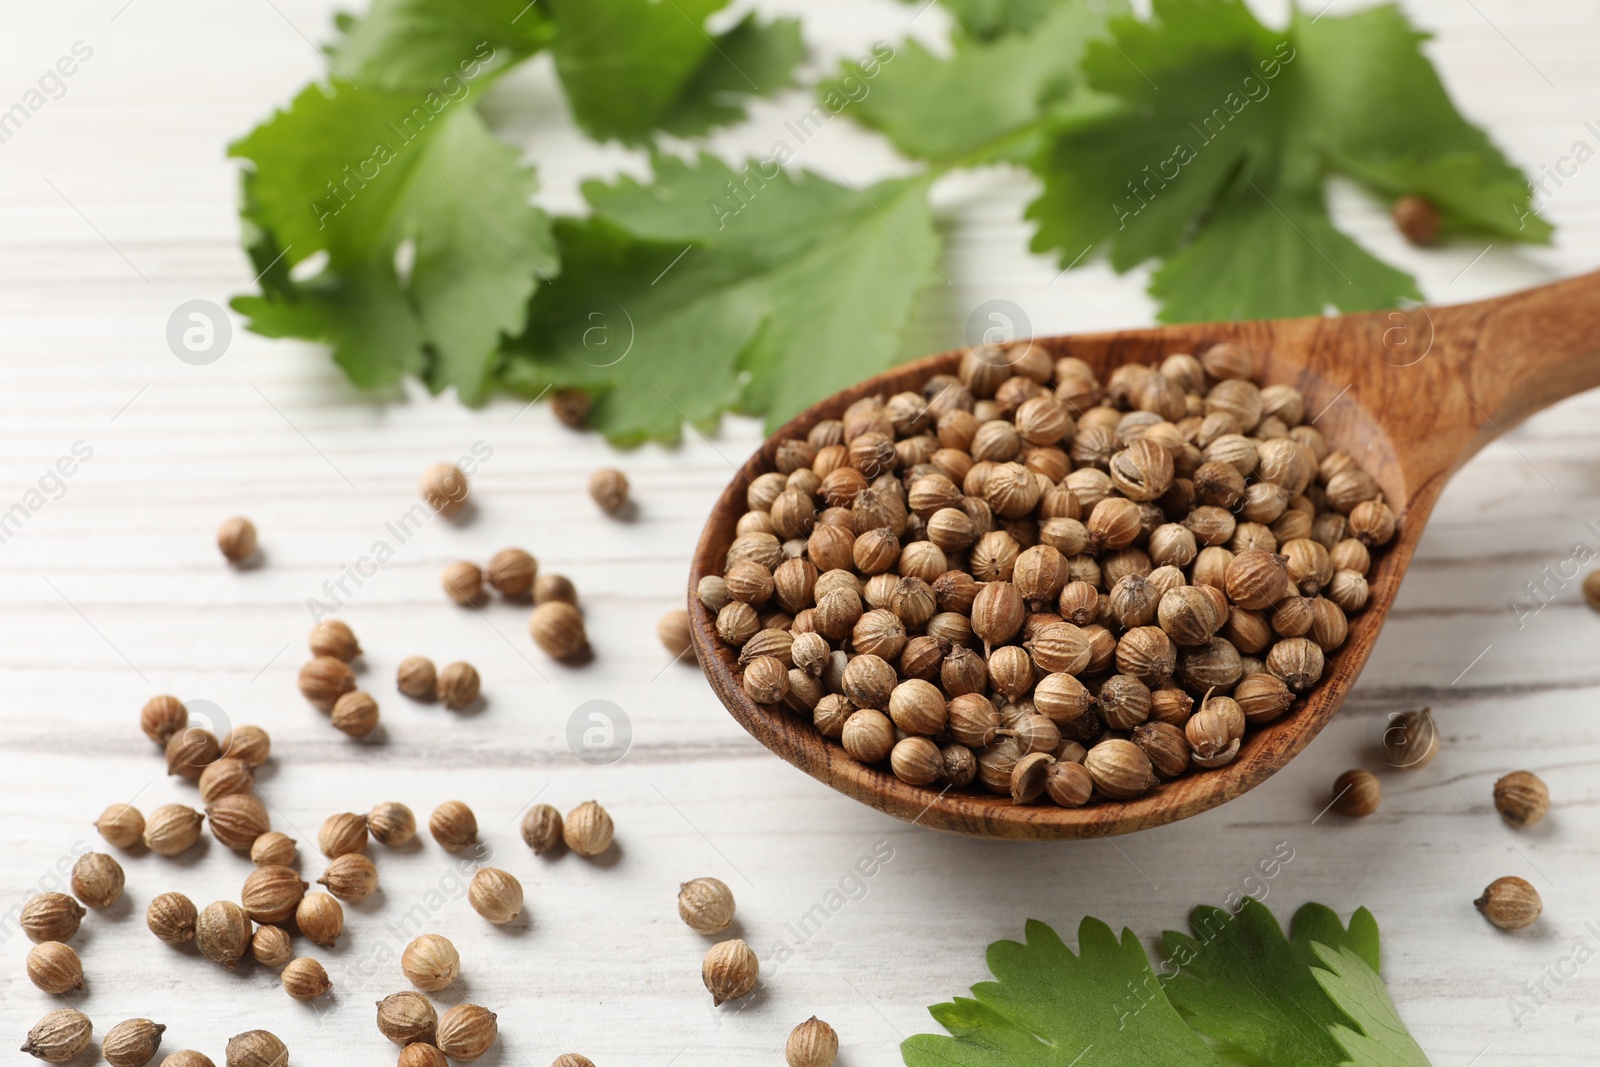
(116, 205)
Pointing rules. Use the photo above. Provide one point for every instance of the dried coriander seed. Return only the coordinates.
(132, 1042)
(273, 849)
(236, 539)
(462, 582)
(407, 1017)
(422, 1054)
(587, 829)
(557, 628)
(324, 680)
(1411, 740)
(225, 776)
(161, 717)
(1521, 798)
(60, 1036)
(430, 963)
(453, 825)
(333, 637)
(121, 825)
(55, 968)
(445, 488)
(554, 588)
(188, 1058)
(416, 678)
(271, 946)
(571, 1059)
(466, 1031)
(674, 633)
(541, 828)
(271, 894)
(237, 820)
(608, 487)
(511, 572)
(222, 933)
(190, 751)
(50, 917)
(1357, 793)
(351, 878)
(706, 905)
(250, 745)
(1417, 219)
(321, 918)
(342, 834)
(730, 970)
(392, 824)
(256, 1048)
(305, 979)
(1510, 903)
(811, 1044)
(496, 895)
(97, 880)
(355, 713)
(172, 829)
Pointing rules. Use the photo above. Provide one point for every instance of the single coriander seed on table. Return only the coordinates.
(407, 1017)
(190, 751)
(60, 1036)
(50, 917)
(511, 572)
(171, 917)
(321, 918)
(1521, 798)
(706, 905)
(132, 1042)
(237, 819)
(422, 1054)
(453, 825)
(97, 880)
(445, 488)
(812, 1044)
(172, 829)
(271, 946)
(587, 829)
(462, 582)
(467, 1031)
(416, 678)
(1356, 793)
(355, 714)
(273, 849)
(730, 970)
(608, 487)
(222, 933)
(342, 834)
(458, 685)
(188, 1058)
(571, 1059)
(305, 979)
(271, 894)
(236, 539)
(121, 825)
(324, 680)
(163, 716)
(1510, 903)
(496, 895)
(351, 878)
(549, 587)
(55, 968)
(1411, 739)
(541, 828)
(333, 637)
(673, 632)
(392, 824)
(256, 1048)
(250, 745)
(430, 963)
(557, 628)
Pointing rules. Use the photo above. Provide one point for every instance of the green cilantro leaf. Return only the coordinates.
(1379, 1038)
(1051, 1007)
(631, 67)
(1238, 979)
(368, 177)
(985, 102)
(988, 19)
(428, 44)
(1216, 157)
(680, 300)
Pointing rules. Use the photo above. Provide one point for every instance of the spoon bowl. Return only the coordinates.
(1411, 395)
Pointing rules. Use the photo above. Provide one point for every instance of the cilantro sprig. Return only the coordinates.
(386, 219)
(1234, 989)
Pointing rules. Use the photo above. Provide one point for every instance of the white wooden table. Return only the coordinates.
(116, 205)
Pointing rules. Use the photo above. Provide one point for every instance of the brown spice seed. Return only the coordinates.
(467, 1031)
(1357, 793)
(541, 828)
(50, 917)
(55, 968)
(453, 825)
(407, 1017)
(132, 1042)
(557, 628)
(256, 1048)
(305, 979)
(430, 963)
(97, 880)
(416, 678)
(392, 824)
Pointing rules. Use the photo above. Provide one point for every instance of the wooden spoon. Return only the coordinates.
(1410, 394)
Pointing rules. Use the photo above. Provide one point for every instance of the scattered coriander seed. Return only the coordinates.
(50, 917)
(342, 834)
(730, 970)
(554, 587)
(1591, 591)
(271, 946)
(97, 880)
(222, 933)
(1357, 793)
(190, 751)
(188, 1058)
(121, 825)
(320, 918)
(324, 680)
(1510, 903)
(467, 1031)
(511, 572)
(271, 894)
(407, 1017)
(706, 905)
(1120, 769)
(571, 408)
(163, 716)
(392, 824)
(1412, 739)
(273, 849)
(608, 487)
(132, 1042)
(587, 829)
(812, 1044)
(557, 628)
(458, 685)
(172, 829)
(430, 963)
(55, 968)
(60, 1036)
(227, 775)
(355, 713)
(453, 825)
(1417, 219)
(333, 637)
(250, 745)
(256, 1048)
(305, 979)
(422, 1054)
(416, 678)
(673, 631)
(236, 539)
(237, 820)
(445, 488)
(1521, 798)
(496, 895)
(571, 1059)
(462, 582)
(541, 828)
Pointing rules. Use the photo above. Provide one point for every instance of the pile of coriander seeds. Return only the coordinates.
(1053, 588)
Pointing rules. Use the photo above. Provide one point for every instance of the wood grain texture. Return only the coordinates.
(114, 591)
